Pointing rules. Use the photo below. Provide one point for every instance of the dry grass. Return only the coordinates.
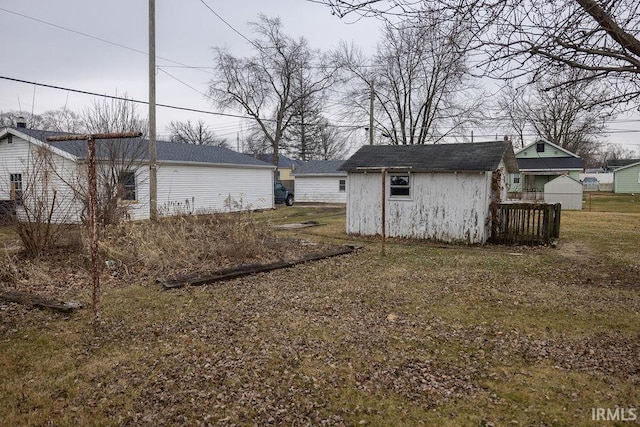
(430, 334)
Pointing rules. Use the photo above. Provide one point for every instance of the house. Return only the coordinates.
(626, 179)
(190, 178)
(442, 192)
(539, 163)
(566, 191)
(321, 181)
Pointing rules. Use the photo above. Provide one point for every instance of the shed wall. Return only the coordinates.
(565, 191)
(323, 189)
(212, 189)
(449, 207)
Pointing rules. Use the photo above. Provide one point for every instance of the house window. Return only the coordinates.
(342, 185)
(15, 186)
(400, 185)
(540, 147)
(128, 181)
(516, 179)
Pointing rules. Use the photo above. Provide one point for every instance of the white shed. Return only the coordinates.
(445, 192)
(566, 191)
(321, 181)
(190, 178)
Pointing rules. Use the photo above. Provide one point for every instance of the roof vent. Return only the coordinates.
(21, 122)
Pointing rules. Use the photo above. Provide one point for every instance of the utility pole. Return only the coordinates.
(153, 155)
(371, 95)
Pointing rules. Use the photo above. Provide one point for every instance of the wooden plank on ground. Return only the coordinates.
(38, 301)
(249, 269)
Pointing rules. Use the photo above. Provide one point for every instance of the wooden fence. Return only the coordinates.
(526, 224)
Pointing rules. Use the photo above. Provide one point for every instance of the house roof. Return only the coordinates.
(320, 167)
(618, 163)
(550, 163)
(482, 156)
(557, 147)
(136, 148)
(629, 166)
(283, 161)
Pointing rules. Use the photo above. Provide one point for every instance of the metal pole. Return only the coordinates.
(384, 209)
(153, 156)
(93, 225)
(371, 95)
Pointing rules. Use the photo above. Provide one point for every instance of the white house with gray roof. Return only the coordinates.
(441, 192)
(191, 178)
(320, 181)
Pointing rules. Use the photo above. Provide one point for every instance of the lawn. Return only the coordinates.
(429, 334)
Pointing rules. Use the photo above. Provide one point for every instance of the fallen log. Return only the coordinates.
(38, 301)
(249, 269)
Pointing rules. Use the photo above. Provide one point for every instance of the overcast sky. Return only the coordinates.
(46, 41)
(54, 52)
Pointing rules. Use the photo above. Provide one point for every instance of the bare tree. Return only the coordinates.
(537, 38)
(60, 120)
(422, 88)
(119, 160)
(197, 133)
(10, 118)
(569, 116)
(264, 85)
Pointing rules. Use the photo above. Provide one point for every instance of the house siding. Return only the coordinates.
(324, 189)
(449, 207)
(40, 179)
(627, 180)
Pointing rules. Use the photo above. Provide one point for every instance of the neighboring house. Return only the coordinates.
(566, 191)
(190, 178)
(444, 192)
(539, 163)
(321, 181)
(613, 164)
(626, 179)
(286, 166)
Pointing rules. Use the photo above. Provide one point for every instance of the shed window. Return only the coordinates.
(540, 147)
(400, 185)
(342, 185)
(15, 186)
(516, 179)
(128, 182)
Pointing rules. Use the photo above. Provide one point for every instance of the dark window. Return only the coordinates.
(400, 185)
(15, 183)
(540, 147)
(516, 179)
(342, 186)
(128, 181)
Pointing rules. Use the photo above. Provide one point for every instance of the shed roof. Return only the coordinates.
(550, 163)
(320, 167)
(137, 148)
(471, 157)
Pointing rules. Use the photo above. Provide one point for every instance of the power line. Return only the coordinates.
(119, 98)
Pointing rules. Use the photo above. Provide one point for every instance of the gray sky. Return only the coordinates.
(186, 31)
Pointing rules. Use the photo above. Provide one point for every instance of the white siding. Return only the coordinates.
(40, 179)
(324, 189)
(564, 190)
(211, 188)
(450, 207)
